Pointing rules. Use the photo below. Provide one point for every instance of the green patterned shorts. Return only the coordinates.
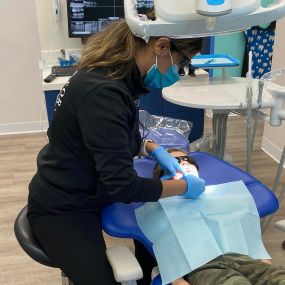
(236, 269)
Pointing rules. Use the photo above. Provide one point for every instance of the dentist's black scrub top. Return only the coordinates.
(93, 137)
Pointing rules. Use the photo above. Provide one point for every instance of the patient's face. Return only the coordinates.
(184, 163)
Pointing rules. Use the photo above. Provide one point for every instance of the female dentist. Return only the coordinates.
(93, 137)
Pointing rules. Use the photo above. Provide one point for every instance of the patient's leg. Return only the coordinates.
(258, 272)
(273, 275)
(217, 276)
(217, 272)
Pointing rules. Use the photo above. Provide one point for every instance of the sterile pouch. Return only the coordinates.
(187, 234)
(165, 131)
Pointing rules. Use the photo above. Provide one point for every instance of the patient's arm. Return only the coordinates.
(180, 281)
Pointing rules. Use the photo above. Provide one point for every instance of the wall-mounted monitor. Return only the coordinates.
(86, 17)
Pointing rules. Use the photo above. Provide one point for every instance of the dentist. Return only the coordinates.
(93, 137)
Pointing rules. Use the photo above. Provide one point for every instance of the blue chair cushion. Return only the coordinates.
(216, 171)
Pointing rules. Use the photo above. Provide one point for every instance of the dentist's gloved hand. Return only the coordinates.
(195, 186)
(166, 162)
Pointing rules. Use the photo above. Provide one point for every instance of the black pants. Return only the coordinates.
(146, 261)
(74, 242)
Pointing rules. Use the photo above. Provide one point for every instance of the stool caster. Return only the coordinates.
(283, 244)
(65, 280)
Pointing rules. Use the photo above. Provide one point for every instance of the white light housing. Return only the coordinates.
(213, 8)
(180, 19)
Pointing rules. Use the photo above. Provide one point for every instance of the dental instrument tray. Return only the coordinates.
(214, 60)
(60, 71)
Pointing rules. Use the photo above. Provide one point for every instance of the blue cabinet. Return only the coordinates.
(50, 97)
(152, 102)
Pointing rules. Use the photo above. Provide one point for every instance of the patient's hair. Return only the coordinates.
(158, 172)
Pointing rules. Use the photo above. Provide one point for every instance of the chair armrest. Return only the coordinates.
(280, 225)
(124, 264)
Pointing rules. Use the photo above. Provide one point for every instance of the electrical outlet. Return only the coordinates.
(56, 8)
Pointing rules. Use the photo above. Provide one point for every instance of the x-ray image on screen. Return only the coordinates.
(86, 17)
(145, 4)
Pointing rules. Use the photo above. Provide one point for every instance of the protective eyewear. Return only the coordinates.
(189, 159)
(185, 62)
(184, 158)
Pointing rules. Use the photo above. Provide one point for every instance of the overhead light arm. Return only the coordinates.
(180, 18)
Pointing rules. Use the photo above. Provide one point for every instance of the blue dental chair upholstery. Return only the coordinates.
(119, 220)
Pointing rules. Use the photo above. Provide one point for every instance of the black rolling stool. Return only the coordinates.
(30, 245)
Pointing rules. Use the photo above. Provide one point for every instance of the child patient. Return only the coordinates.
(228, 269)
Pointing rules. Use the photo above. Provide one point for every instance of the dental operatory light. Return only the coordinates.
(201, 18)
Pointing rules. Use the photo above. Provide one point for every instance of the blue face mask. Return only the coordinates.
(154, 78)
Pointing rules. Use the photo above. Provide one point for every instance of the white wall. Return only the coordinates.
(20, 82)
(47, 25)
(27, 28)
(274, 137)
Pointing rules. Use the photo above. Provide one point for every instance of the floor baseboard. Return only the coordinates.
(23, 127)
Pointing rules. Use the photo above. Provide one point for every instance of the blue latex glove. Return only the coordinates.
(195, 186)
(166, 162)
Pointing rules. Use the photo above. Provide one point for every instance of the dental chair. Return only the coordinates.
(118, 220)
